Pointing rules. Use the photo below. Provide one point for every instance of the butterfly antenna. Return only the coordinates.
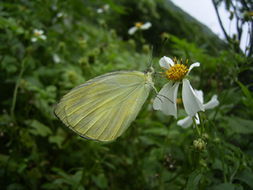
(151, 56)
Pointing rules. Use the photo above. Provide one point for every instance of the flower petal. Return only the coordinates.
(196, 118)
(200, 95)
(43, 37)
(192, 104)
(212, 103)
(33, 39)
(197, 64)
(146, 26)
(166, 99)
(36, 31)
(185, 123)
(166, 62)
(132, 30)
(106, 7)
(99, 10)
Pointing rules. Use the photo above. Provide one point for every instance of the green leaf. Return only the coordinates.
(58, 140)
(100, 181)
(245, 90)
(239, 125)
(246, 176)
(38, 128)
(225, 186)
(194, 180)
(248, 99)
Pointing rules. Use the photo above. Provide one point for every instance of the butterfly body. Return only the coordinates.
(104, 107)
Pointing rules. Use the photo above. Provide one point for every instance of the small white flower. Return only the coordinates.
(60, 14)
(187, 121)
(56, 58)
(166, 98)
(139, 26)
(103, 9)
(38, 35)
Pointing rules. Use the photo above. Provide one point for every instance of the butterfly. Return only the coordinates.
(104, 107)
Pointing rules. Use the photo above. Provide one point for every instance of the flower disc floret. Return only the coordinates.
(138, 24)
(176, 72)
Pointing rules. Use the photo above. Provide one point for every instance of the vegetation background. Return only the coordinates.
(38, 152)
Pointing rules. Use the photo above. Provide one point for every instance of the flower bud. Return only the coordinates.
(199, 144)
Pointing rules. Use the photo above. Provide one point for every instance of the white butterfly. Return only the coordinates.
(104, 107)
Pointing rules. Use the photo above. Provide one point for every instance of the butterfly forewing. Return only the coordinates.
(104, 107)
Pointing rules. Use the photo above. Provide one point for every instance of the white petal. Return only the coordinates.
(43, 37)
(33, 39)
(166, 62)
(192, 104)
(56, 58)
(36, 31)
(146, 26)
(196, 118)
(106, 7)
(186, 122)
(197, 64)
(100, 10)
(166, 99)
(212, 103)
(132, 30)
(59, 15)
(200, 95)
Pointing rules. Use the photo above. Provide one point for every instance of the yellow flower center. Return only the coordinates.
(138, 24)
(176, 72)
(37, 34)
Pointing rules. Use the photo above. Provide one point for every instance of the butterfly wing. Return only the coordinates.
(104, 107)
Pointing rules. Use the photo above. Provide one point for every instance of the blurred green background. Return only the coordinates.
(80, 42)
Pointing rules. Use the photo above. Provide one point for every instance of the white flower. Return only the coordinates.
(61, 15)
(56, 58)
(187, 121)
(139, 26)
(38, 35)
(103, 9)
(166, 98)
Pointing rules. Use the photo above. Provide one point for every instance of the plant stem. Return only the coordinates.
(15, 93)
(196, 126)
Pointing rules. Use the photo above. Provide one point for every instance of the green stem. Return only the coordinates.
(15, 93)
(201, 123)
(196, 126)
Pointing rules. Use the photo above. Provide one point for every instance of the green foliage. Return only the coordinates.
(39, 152)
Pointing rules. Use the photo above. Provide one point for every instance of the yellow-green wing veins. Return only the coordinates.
(104, 107)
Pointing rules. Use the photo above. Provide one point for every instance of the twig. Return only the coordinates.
(251, 41)
(238, 27)
(220, 22)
